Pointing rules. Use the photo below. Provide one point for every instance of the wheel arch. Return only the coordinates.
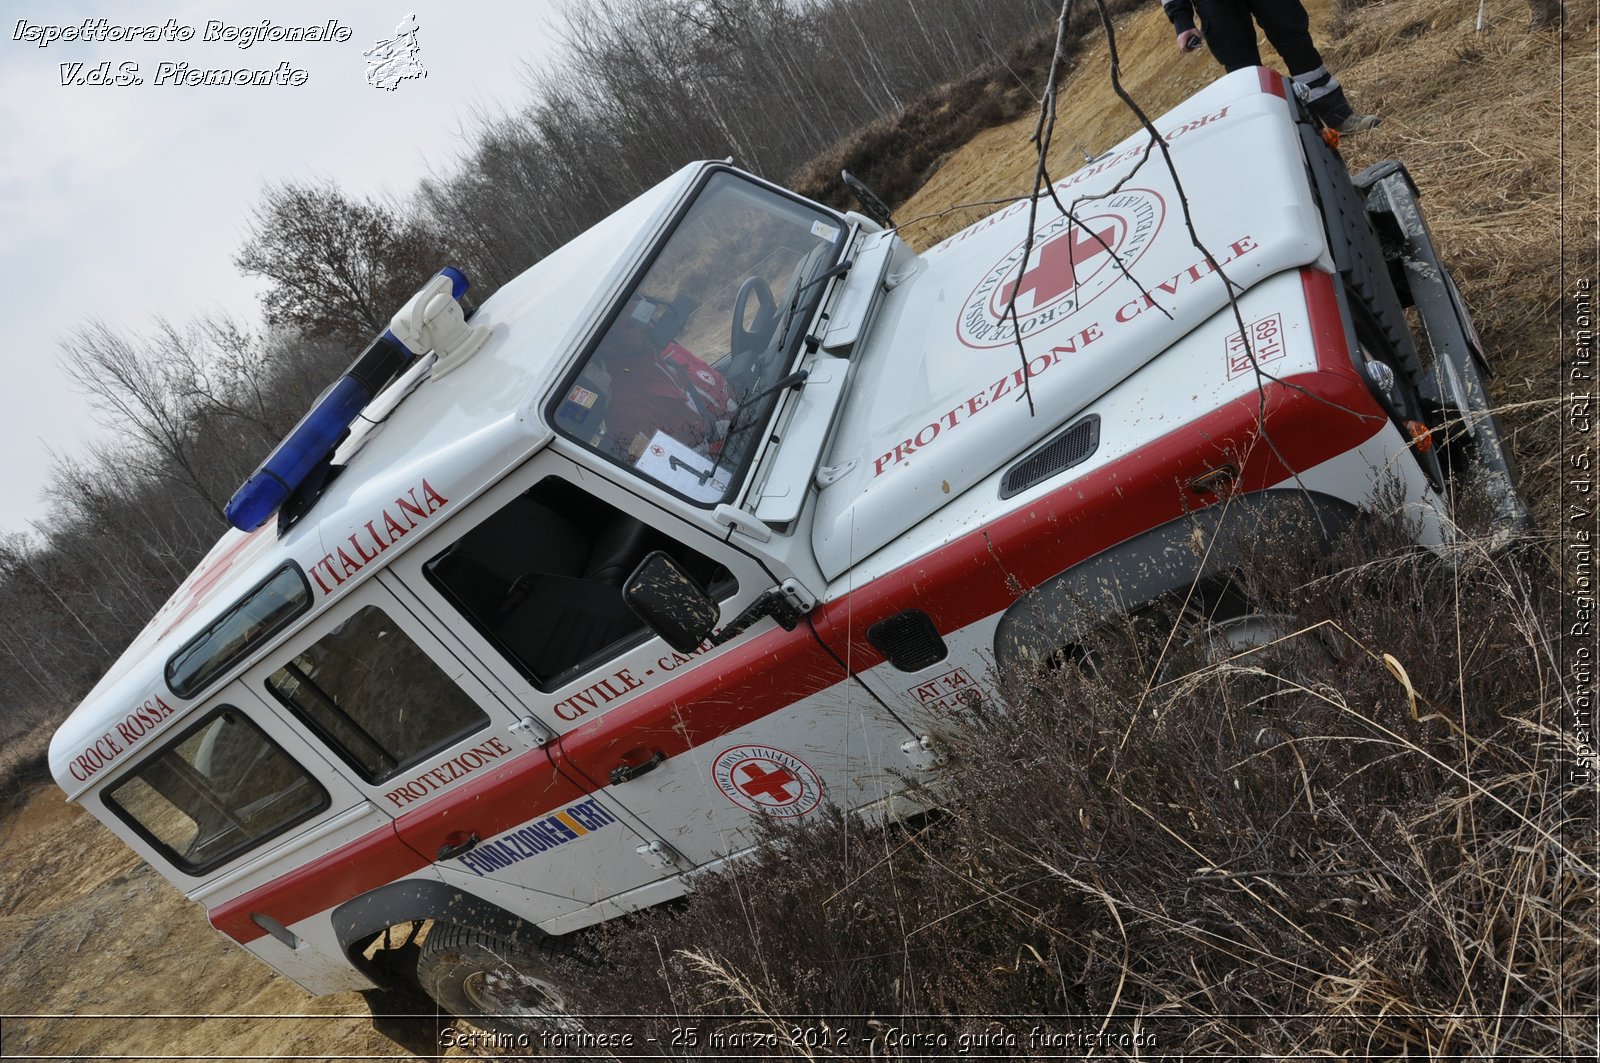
(358, 921)
(1064, 609)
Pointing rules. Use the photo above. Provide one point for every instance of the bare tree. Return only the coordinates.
(146, 392)
(648, 86)
(338, 267)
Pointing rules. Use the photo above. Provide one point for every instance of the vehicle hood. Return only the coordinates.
(941, 399)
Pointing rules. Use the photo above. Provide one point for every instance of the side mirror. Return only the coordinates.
(670, 602)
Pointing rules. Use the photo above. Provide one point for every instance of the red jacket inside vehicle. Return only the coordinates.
(672, 391)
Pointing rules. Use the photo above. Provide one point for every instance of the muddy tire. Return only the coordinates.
(495, 984)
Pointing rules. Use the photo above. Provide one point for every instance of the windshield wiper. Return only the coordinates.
(752, 404)
(794, 302)
(793, 380)
(749, 404)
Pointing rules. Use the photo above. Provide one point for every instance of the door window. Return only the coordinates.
(542, 579)
(372, 694)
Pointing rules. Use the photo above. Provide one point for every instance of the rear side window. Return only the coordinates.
(375, 697)
(247, 624)
(220, 789)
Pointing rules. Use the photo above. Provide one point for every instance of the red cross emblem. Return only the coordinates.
(1055, 274)
(774, 785)
(767, 780)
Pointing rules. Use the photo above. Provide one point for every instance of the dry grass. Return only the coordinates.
(24, 754)
(1508, 172)
(898, 155)
(1293, 851)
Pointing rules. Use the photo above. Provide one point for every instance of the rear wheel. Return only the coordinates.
(502, 986)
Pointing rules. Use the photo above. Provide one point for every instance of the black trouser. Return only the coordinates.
(1230, 31)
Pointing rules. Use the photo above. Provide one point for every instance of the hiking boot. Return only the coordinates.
(1357, 123)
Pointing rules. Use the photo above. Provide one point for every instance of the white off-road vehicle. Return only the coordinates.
(718, 511)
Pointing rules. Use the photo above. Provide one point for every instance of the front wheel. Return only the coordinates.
(501, 986)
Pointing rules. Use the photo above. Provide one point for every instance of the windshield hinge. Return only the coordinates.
(739, 520)
(828, 475)
(797, 596)
(530, 732)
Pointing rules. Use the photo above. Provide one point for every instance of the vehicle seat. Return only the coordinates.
(562, 620)
(617, 551)
(476, 589)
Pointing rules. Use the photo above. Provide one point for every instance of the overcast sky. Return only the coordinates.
(127, 202)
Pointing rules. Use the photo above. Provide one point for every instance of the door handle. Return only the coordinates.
(623, 772)
(457, 843)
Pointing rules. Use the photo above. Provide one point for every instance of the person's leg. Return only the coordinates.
(1230, 33)
(1288, 28)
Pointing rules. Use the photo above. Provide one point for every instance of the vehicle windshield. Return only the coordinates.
(683, 376)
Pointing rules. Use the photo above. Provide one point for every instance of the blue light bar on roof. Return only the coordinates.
(313, 441)
(458, 282)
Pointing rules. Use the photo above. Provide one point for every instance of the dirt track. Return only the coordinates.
(101, 944)
(87, 929)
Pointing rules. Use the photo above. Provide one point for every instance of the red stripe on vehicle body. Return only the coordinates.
(349, 871)
(1311, 418)
(770, 673)
(751, 680)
